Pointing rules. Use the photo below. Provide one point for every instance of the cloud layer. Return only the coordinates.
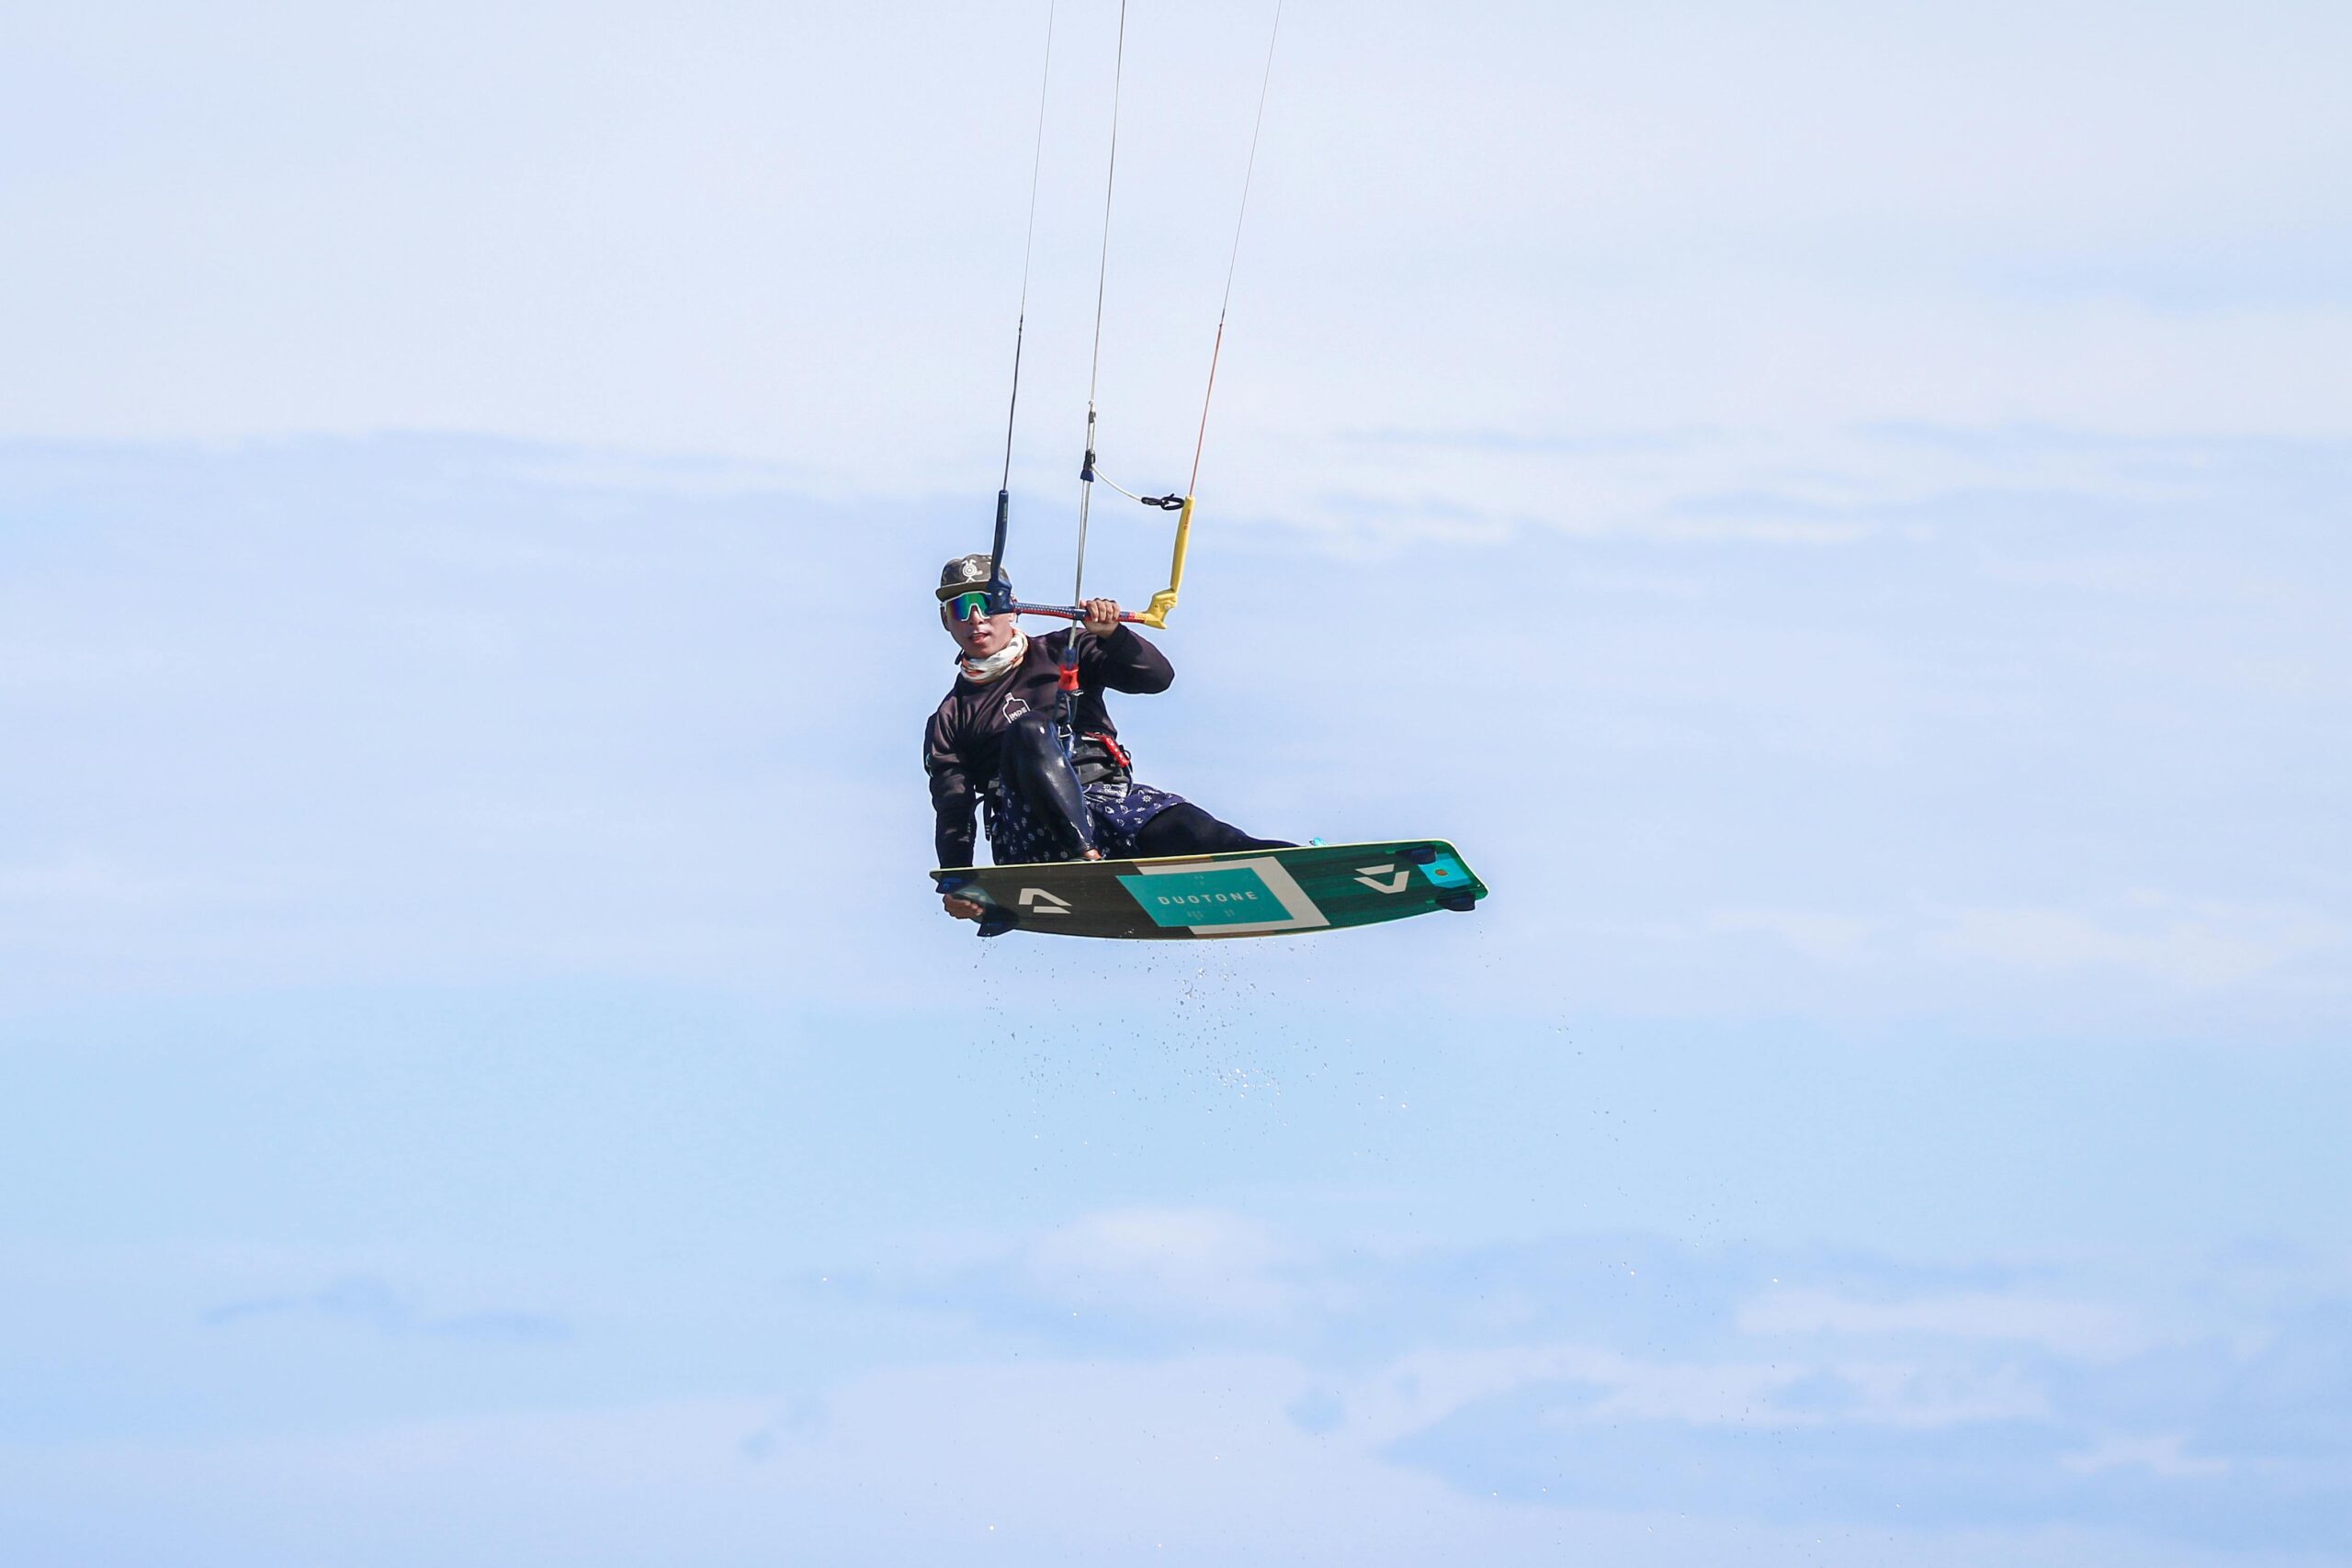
(1199, 1382)
(2042, 729)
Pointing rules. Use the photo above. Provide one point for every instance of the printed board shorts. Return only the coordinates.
(1117, 811)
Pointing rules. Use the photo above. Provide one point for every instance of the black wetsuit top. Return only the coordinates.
(962, 743)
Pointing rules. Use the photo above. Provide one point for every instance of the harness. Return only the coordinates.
(1098, 757)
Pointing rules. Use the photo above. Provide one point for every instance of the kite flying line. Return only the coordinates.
(1156, 612)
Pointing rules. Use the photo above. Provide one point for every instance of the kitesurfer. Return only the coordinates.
(995, 746)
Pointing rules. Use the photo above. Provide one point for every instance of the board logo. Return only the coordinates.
(1176, 900)
(1038, 901)
(1379, 878)
(1212, 895)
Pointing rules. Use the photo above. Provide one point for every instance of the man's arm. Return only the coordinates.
(1115, 657)
(951, 796)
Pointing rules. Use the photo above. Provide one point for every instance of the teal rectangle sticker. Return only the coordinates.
(1231, 896)
(1444, 871)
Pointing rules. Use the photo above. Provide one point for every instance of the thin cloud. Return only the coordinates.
(2075, 1329)
(2199, 946)
(368, 1303)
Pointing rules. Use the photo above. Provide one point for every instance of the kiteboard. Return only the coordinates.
(1256, 893)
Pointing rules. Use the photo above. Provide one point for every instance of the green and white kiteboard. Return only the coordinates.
(1257, 893)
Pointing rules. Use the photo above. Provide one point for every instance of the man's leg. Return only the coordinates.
(1187, 829)
(1038, 772)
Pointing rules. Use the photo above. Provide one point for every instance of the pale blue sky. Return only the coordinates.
(1840, 516)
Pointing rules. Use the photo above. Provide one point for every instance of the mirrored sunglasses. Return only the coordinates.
(964, 606)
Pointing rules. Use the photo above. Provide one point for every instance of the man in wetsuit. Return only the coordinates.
(994, 746)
